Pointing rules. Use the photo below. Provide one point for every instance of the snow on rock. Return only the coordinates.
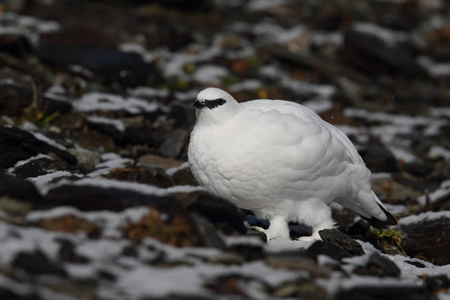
(108, 102)
(118, 124)
(430, 215)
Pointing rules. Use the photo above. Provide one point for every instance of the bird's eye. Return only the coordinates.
(214, 103)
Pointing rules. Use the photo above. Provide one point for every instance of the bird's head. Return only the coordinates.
(215, 105)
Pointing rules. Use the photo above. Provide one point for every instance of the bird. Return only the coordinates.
(281, 161)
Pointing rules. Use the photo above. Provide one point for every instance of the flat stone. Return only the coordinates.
(341, 240)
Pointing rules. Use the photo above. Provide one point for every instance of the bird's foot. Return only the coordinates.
(278, 228)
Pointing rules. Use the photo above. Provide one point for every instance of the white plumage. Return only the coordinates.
(280, 160)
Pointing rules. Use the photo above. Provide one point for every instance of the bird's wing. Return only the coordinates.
(364, 201)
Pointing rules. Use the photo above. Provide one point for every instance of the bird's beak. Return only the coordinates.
(198, 104)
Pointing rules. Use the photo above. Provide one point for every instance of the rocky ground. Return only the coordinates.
(97, 200)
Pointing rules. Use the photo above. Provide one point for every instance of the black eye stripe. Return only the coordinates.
(209, 103)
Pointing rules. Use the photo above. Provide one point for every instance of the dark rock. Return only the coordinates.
(125, 68)
(171, 230)
(12, 103)
(184, 177)
(10, 155)
(428, 238)
(183, 116)
(148, 175)
(130, 135)
(341, 240)
(370, 52)
(33, 168)
(366, 292)
(378, 158)
(19, 189)
(67, 252)
(16, 97)
(298, 261)
(224, 215)
(379, 265)
(438, 282)
(249, 252)
(26, 142)
(327, 249)
(212, 239)
(10, 294)
(37, 263)
(91, 198)
(174, 143)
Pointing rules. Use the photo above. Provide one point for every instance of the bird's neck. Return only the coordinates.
(210, 117)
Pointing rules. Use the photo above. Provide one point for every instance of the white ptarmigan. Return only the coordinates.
(280, 160)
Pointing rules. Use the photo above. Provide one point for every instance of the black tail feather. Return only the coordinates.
(382, 224)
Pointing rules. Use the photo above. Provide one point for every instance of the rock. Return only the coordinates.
(184, 177)
(437, 282)
(91, 49)
(12, 103)
(86, 159)
(10, 155)
(224, 215)
(378, 49)
(174, 143)
(327, 249)
(148, 175)
(380, 266)
(14, 207)
(209, 233)
(428, 238)
(297, 261)
(341, 240)
(67, 252)
(92, 198)
(175, 227)
(33, 168)
(159, 161)
(369, 292)
(37, 263)
(26, 142)
(125, 136)
(378, 158)
(17, 188)
(249, 252)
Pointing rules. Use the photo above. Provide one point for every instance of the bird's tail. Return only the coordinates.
(377, 223)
